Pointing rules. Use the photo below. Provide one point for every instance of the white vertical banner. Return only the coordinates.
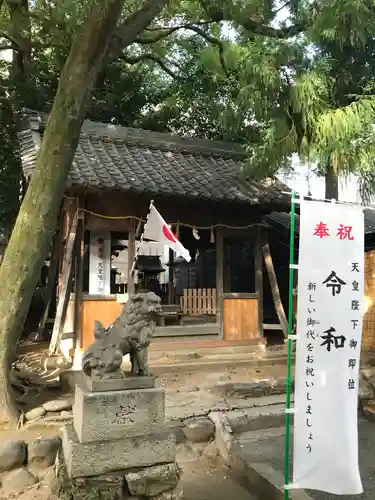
(100, 263)
(329, 329)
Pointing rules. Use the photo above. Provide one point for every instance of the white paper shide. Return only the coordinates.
(329, 329)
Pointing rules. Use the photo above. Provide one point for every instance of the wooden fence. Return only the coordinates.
(198, 301)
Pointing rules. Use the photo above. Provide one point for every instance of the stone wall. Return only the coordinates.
(25, 465)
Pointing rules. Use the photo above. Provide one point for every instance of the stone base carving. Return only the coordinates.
(107, 415)
(119, 445)
(121, 384)
(157, 483)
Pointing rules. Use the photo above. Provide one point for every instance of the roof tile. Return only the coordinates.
(126, 159)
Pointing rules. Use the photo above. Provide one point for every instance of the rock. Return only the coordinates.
(37, 494)
(223, 434)
(211, 451)
(42, 452)
(35, 413)
(51, 481)
(198, 429)
(188, 452)
(53, 362)
(175, 494)
(51, 414)
(17, 480)
(251, 389)
(368, 410)
(58, 405)
(153, 480)
(66, 414)
(12, 455)
(105, 486)
(279, 386)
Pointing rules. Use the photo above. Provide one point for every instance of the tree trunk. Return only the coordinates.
(332, 182)
(36, 222)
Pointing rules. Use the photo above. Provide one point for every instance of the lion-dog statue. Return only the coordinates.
(130, 333)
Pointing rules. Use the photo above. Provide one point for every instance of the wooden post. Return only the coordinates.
(131, 257)
(219, 278)
(78, 283)
(258, 268)
(171, 296)
(226, 270)
(65, 287)
(51, 282)
(275, 289)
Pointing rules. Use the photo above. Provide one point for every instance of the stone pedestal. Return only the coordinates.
(120, 444)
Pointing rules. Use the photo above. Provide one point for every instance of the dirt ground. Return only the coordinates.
(207, 479)
(183, 390)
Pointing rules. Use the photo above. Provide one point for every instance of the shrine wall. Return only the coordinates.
(368, 332)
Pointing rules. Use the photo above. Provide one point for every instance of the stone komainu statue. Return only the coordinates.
(130, 333)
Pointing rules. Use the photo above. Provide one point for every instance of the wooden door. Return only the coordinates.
(240, 316)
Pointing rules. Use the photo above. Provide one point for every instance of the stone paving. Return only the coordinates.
(268, 447)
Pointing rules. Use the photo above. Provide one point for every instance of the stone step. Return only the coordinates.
(255, 419)
(235, 427)
(251, 456)
(174, 350)
(219, 364)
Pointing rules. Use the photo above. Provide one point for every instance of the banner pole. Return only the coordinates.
(290, 332)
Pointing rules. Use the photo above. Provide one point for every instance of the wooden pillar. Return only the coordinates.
(65, 288)
(78, 281)
(226, 271)
(171, 295)
(258, 269)
(275, 289)
(131, 256)
(219, 278)
(51, 282)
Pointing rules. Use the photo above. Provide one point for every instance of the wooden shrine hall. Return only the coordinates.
(199, 188)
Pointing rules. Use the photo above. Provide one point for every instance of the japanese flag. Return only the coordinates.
(156, 229)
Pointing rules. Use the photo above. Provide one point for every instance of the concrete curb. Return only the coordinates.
(261, 479)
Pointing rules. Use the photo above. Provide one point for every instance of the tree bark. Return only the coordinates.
(137, 22)
(332, 182)
(36, 222)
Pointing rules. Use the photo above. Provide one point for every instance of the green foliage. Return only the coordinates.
(9, 169)
(228, 70)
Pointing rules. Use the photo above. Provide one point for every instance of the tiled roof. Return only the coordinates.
(114, 157)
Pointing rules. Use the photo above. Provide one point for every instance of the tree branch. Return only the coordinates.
(135, 24)
(14, 44)
(191, 27)
(217, 15)
(151, 57)
(164, 32)
(269, 31)
(281, 7)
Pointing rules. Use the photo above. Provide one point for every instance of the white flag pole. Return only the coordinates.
(141, 240)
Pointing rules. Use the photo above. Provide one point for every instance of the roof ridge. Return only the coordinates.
(160, 139)
(145, 137)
